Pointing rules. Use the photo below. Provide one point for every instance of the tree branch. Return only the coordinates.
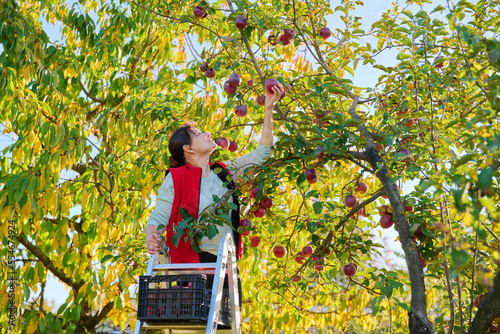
(48, 264)
(90, 96)
(176, 19)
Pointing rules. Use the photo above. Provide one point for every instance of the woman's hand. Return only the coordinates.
(153, 241)
(271, 99)
(267, 128)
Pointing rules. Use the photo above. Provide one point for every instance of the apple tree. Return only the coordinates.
(417, 154)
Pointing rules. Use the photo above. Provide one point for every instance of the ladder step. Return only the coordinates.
(180, 327)
(198, 331)
(186, 268)
(192, 266)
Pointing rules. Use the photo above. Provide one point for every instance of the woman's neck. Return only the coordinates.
(203, 164)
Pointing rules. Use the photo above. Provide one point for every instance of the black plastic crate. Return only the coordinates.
(177, 297)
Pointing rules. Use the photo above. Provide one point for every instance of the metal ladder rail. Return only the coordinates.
(226, 263)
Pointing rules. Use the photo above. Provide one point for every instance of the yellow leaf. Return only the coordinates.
(114, 192)
(84, 198)
(32, 325)
(26, 211)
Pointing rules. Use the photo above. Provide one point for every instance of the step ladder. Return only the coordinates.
(226, 264)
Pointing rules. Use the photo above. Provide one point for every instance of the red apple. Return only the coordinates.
(210, 73)
(409, 208)
(254, 241)
(350, 269)
(409, 123)
(270, 83)
(223, 142)
(233, 146)
(362, 187)
(350, 201)
(319, 267)
(418, 232)
(362, 212)
(407, 153)
(307, 250)
(272, 40)
(241, 22)
(440, 65)
(318, 121)
(423, 262)
(198, 11)
(261, 100)
(299, 258)
(379, 147)
(478, 300)
(296, 278)
(284, 40)
(255, 191)
(386, 221)
(204, 67)
(260, 212)
(267, 203)
(289, 33)
(321, 154)
(317, 258)
(246, 226)
(250, 82)
(234, 80)
(399, 112)
(320, 113)
(406, 141)
(311, 175)
(241, 110)
(325, 32)
(230, 90)
(279, 251)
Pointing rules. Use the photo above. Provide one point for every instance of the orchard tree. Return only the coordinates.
(90, 117)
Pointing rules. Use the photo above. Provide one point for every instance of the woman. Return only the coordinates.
(190, 183)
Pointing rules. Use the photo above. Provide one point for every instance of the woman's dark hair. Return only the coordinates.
(179, 138)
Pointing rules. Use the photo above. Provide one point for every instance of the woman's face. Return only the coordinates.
(202, 142)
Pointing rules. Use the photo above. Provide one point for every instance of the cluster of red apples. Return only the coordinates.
(263, 204)
(227, 144)
(286, 37)
(245, 229)
(317, 260)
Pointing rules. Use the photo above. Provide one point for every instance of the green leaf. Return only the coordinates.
(460, 257)
(318, 207)
(184, 213)
(61, 308)
(106, 258)
(375, 305)
(175, 240)
(494, 55)
(438, 9)
(387, 291)
(41, 325)
(402, 56)
(302, 181)
(311, 227)
(118, 303)
(466, 158)
(405, 306)
(485, 178)
(211, 231)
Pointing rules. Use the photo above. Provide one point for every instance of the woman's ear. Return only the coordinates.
(187, 148)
